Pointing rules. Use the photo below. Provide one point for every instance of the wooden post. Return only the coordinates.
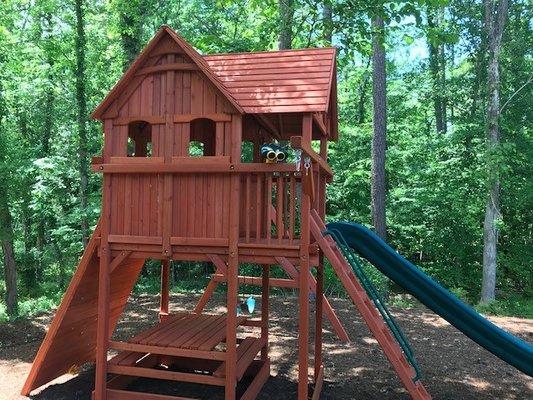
(102, 328)
(165, 287)
(320, 269)
(318, 315)
(233, 264)
(265, 309)
(303, 299)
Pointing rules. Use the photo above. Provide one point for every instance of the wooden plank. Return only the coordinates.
(284, 109)
(198, 241)
(265, 309)
(267, 95)
(170, 351)
(267, 81)
(255, 55)
(260, 379)
(231, 70)
(288, 88)
(319, 381)
(135, 239)
(167, 67)
(161, 168)
(118, 394)
(136, 160)
(181, 118)
(118, 260)
(151, 119)
(248, 356)
(222, 161)
(256, 281)
(34, 379)
(303, 295)
(204, 323)
(166, 375)
(165, 287)
(241, 350)
(272, 62)
(274, 76)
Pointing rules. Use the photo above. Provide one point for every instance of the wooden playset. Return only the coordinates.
(184, 179)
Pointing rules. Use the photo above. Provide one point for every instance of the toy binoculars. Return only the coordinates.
(273, 153)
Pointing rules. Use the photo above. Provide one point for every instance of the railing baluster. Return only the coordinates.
(259, 205)
(292, 208)
(248, 208)
(279, 212)
(269, 208)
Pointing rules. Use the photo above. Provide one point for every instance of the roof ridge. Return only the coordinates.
(268, 51)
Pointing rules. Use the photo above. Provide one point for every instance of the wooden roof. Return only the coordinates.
(283, 81)
(278, 81)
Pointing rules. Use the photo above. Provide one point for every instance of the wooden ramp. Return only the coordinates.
(368, 311)
(71, 339)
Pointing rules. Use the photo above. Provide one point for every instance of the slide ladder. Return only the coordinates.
(378, 321)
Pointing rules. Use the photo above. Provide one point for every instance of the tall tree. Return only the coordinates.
(83, 163)
(6, 225)
(286, 14)
(327, 21)
(495, 17)
(379, 138)
(131, 18)
(437, 65)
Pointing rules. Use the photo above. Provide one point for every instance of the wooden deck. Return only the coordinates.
(186, 347)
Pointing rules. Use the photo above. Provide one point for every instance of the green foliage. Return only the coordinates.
(436, 182)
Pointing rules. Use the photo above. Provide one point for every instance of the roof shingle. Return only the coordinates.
(277, 81)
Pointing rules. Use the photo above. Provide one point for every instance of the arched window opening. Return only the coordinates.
(139, 139)
(203, 131)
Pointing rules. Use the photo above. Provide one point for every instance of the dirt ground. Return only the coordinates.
(453, 366)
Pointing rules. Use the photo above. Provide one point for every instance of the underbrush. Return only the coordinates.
(507, 305)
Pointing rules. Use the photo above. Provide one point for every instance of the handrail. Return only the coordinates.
(370, 288)
(128, 165)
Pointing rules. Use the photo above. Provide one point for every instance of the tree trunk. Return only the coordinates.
(437, 70)
(495, 16)
(286, 12)
(327, 20)
(363, 87)
(131, 28)
(83, 163)
(6, 224)
(379, 139)
(10, 266)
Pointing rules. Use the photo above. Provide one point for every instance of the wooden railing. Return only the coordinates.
(270, 208)
(270, 196)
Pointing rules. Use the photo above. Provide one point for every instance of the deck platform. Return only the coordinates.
(185, 347)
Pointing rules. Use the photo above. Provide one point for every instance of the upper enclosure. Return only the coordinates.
(277, 87)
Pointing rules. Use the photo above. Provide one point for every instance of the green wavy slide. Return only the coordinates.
(368, 245)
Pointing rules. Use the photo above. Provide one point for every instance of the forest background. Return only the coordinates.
(435, 146)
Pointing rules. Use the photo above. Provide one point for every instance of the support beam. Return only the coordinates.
(165, 288)
(303, 298)
(221, 268)
(290, 269)
(265, 298)
(123, 256)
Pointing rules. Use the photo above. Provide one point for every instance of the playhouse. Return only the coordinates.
(184, 179)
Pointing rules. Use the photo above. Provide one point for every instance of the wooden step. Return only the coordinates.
(246, 353)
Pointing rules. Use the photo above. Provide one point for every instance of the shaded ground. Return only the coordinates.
(453, 366)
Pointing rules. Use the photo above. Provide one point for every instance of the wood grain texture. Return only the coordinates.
(75, 320)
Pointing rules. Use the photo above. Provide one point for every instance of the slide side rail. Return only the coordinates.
(373, 293)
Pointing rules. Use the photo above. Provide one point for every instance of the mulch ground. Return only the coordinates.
(453, 366)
